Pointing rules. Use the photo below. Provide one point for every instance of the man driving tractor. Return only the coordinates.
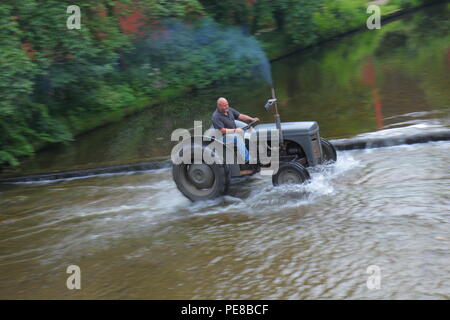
(223, 120)
(299, 147)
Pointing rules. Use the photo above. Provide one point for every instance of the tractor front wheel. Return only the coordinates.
(290, 173)
(328, 151)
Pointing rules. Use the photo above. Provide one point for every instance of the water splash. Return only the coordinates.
(266, 198)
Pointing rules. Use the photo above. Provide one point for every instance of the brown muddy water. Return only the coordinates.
(134, 236)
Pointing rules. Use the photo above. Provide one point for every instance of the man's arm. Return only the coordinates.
(245, 117)
(225, 131)
(241, 116)
(220, 126)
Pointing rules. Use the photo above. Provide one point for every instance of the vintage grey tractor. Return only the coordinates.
(300, 147)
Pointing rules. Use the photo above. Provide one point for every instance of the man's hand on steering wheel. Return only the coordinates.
(249, 125)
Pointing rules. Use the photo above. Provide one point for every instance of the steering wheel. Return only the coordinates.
(248, 126)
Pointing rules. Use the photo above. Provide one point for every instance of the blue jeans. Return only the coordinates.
(238, 141)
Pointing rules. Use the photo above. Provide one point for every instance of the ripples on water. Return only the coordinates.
(136, 236)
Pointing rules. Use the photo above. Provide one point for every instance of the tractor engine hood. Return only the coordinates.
(292, 128)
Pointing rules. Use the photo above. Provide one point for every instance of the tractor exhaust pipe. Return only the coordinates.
(277, 118)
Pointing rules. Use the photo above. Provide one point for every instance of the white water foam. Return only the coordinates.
(416, 114)
(89, 176)
(264, 197)
(417, 126)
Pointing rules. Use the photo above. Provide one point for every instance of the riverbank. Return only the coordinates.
(277, 45)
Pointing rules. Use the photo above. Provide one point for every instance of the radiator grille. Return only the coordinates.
(316, 145)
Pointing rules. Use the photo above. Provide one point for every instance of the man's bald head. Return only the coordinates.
(222, 105)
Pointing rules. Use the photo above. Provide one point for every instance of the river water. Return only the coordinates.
(135, 236)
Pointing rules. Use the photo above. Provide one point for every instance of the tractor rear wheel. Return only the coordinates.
(328, 151)
(290, 173)
(201, 181)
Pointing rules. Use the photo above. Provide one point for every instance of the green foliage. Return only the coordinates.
(230, 12)
(300, 25)
(193, 56)
(21, 122)
(305, 21)
(407, 4)
(335, 16)
(45, 65)
(53, 79)
(15, 80)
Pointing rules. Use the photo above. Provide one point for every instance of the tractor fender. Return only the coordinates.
(200, 146)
